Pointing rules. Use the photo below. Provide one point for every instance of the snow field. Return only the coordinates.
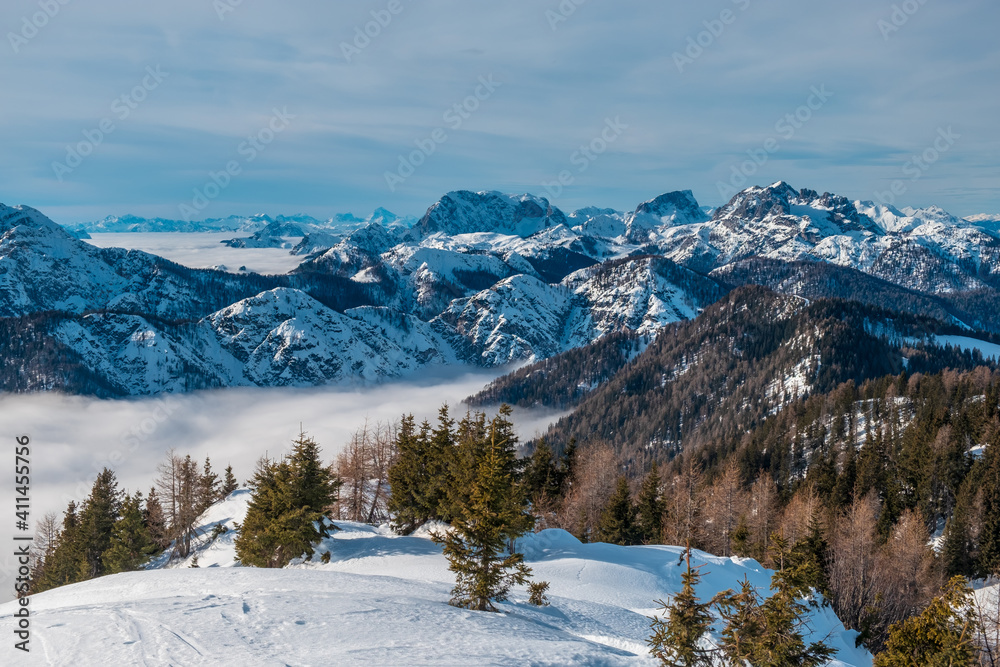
(381, 600)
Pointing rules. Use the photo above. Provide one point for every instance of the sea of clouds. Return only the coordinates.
(73, 437)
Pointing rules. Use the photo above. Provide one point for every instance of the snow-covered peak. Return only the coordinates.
(462, 212)
(672, 208)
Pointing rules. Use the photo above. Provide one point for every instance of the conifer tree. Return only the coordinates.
(42, 548)
(957, 550)
(808, 563)
(617, 522)
(462, 458)
(676, 639)
(567, 466)
(494, 513)
(542, 477)
(768, 633)
(288, 509)
(989, 537)
(229, 483)
(406, 475)
(741, 538)
(651, 508)
(208, 487)
(942, 636)
(66, 560)
(155, 520)
(414, 477)
(131, 542)
(97, 520)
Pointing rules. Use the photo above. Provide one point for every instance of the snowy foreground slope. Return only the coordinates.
(382, 600)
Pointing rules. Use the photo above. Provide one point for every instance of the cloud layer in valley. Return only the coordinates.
(73, 438)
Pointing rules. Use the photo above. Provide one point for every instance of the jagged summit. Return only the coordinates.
(483, 279)
(463, 212)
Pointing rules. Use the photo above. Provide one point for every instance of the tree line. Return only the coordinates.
(114, 531)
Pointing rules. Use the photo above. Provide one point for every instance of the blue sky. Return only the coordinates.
(557, 74)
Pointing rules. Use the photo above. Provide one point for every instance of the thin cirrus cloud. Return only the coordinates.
(354, 118)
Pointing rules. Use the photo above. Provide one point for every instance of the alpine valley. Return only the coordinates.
(486, 279)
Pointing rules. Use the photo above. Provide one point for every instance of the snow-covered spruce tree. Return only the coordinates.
(131, 542)
(676, 639)
(288, 508)
(494, 512)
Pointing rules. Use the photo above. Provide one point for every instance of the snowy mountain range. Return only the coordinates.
(342, 222)
(482, 279)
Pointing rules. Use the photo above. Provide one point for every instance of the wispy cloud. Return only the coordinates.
(355, 117)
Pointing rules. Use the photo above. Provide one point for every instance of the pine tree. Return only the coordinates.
(257, 542)
(651, 508)
(184, 480)
(64, 564)
(843, 494)
(131, 542)
(541, 476)
(676, 639)
(97, 520)
(617, 522)
(208, 487)
(989, 537)
(495, 513)
(768, 633)
(288, 509)
(414, 494)
(957, 551)
(440, 454)
(229, 483)
(741, 538)
(805, 563)
(155, 521)
(567, 466)
(942, 636)
(313, 486)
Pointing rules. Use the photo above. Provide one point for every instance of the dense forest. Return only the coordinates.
(714, 377)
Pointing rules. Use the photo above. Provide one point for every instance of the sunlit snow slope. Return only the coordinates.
(382, 600)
